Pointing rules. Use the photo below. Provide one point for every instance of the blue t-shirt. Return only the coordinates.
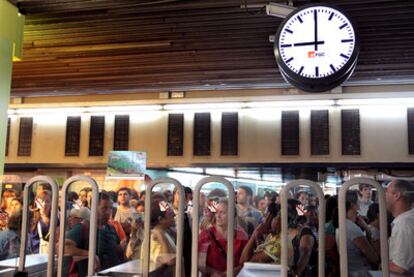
(107, 243)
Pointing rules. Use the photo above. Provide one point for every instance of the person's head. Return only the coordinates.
(351, 204)
(7, 196)
(124, 195)
(373, 212)
(311, 214)
(104, 208)
(399, 196)
(272, 217)
(293, 213)
(140, 206)
(244, 195)
(40, 188)
(176, 198)
(162, 215)
(47, 202)
(83, 194)
(72, 196)
(221, 214)
(270, 197)
(188, 194)
(89, 197)
(133, 203)
(15, 205)
(261, 204)
(303, 197)
(217, 193)
(365, 191)
(78, 215)
(168, 195)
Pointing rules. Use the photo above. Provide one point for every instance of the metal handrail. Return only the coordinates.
(147, 228)
(196, 219)
(321, 221)
(342, 224)
(93, 225)
(52, 225)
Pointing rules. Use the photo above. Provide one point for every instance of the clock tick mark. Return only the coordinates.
(300, 70)
(289, 31)
(330, 17)
(289, 60)
(344, 56)
(332, 67)
(343, 26)
(300, 19)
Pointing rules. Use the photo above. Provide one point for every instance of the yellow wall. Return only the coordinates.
(383, 138)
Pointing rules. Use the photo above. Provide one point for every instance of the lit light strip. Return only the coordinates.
(109, 109)
(188, 169)
(292, 103)
(204, 106)
(406, 101)
(40, 111)
(375, 101)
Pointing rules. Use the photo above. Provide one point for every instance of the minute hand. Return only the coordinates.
(309, 43)
(315, 18)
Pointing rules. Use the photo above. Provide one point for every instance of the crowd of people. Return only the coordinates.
(257, 229)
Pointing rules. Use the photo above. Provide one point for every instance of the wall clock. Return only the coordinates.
(316, 48)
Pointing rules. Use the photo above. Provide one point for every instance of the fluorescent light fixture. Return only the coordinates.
(290, 104)
(220, 171)
(204, 106)
(257, 183)
(278, 10)
(135, 108)
(375, 101)
(242, 174)
(188, 169)
(38, 111)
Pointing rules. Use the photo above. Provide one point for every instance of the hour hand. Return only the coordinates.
(309, 43)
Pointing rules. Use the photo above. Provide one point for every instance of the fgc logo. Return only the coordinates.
(314, 54)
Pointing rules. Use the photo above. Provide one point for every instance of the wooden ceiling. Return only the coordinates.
(78, 47)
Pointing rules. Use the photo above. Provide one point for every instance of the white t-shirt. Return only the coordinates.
(402, 241)
(356, 259)
(363, 206)
(122, 216)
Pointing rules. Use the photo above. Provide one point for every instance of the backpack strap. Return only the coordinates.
(217, 243)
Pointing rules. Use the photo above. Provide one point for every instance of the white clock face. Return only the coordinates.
(316, 42)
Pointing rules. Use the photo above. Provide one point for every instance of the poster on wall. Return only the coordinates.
(126, 164)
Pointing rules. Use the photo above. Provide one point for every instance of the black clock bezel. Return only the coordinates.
(316, 84)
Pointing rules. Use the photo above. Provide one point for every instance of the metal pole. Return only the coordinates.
(93, 225)
(230, 227)
(343, 254)
(52, 225)
(180, 225)
(321, 221)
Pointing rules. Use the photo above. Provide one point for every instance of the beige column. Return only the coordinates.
(11, 48)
